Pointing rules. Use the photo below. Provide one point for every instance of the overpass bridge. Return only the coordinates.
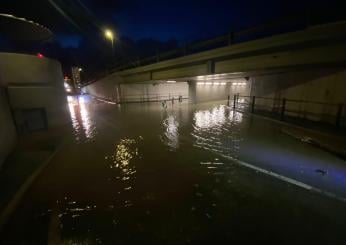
(318, 45)
(309, 64)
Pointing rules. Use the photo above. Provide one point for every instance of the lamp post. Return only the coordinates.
(109, 35)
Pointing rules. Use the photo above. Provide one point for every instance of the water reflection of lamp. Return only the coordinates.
(171, 131)
(81, 122)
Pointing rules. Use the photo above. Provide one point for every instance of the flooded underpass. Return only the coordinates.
(185, 174)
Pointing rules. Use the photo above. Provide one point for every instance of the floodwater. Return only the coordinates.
(187, 174)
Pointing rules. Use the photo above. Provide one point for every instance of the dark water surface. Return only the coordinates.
(141, 174)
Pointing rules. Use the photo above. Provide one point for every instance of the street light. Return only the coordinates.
(109, 35)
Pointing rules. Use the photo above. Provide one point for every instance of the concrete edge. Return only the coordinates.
(290, 124)
(19, 195)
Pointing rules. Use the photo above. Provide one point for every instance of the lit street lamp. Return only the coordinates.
(109, 35)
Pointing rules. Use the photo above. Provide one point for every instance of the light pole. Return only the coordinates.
(109, 35)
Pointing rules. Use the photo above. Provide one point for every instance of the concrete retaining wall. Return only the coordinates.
(325, 85)
(114, 89)
(34, 85)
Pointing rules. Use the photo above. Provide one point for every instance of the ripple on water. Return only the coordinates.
(218, 130)
(171, 132)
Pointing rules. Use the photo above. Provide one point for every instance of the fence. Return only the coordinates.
(293, 110)
(135, 98)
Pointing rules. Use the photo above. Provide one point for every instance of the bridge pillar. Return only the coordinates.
(210, 67)
(192, 91)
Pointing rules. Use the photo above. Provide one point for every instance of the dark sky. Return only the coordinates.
(145, 27)
(184, 20)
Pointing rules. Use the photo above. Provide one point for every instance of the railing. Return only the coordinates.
(286, 24)
(292, 110)
(152, 98)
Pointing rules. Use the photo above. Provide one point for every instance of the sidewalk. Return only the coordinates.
(331, 143)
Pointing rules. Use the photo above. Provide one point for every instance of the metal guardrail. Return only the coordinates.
(138, 98)
(283, 108)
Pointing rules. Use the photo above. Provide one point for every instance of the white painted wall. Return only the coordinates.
(106, 88)
(153, 91)
(114, 88)
(212, 92)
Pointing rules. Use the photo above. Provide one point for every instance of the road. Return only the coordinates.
(188, 174)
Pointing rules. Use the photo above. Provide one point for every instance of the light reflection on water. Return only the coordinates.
(171, 133)
(218, 130)
(125, 152)
(83, 127)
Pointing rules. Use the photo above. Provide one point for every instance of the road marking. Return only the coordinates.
(286, 179)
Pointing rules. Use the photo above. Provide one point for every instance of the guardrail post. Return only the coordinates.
(283, 108)
(234, 101)
(338, 115)
(253, 104)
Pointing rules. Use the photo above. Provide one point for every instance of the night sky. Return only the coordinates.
(184, 20)
(79, 24)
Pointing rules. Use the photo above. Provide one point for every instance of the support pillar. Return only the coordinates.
(192, 92)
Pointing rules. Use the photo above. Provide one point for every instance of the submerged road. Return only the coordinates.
(188, 174)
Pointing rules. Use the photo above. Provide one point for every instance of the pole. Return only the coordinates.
(112, 48)
(338, 115)
(283, 108)
(234, 101)
(253, 104)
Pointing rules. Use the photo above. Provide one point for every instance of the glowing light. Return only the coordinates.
(39, 55)
(80, 69)
(208, 83)
(223, 83)
(171, 81)
(239, 84)
(217, 83)
(109, 34)
(200, 83)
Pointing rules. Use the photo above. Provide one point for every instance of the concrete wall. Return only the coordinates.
(153, 91)
(114, 88)
(29, 69)
(32, 83)
(107, 88)
(8, 134)
(325, 85)
(202, 91)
